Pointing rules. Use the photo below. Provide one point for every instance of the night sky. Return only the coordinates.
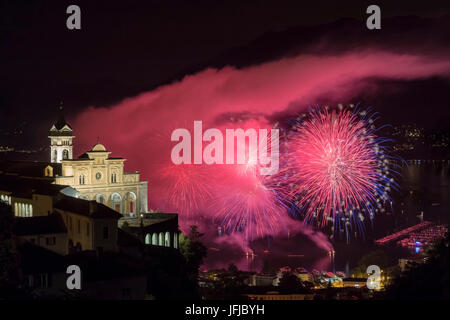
(129, 47)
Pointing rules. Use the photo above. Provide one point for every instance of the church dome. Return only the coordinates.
(98, 147)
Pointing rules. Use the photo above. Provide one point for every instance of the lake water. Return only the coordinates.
(423, 187)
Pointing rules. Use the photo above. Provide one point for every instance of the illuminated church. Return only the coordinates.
(95, 175)
(75, 207)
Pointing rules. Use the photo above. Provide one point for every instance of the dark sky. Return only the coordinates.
(128, 47)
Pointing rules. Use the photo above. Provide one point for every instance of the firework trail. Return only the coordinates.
(336, 168)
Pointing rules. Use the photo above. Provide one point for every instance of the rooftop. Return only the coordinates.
(275, 290)
(98, 148)
(149, 219)
(35, 259)
(24, 187)
(60, 123)
(50, 224)
(354, 279)
(86, 208)
(28, 168)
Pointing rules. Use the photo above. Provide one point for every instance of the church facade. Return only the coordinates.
(96, 175)
(68, 205)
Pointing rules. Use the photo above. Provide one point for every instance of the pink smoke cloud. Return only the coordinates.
(139, 128)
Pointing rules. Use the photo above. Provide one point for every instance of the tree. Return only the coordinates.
(377, 257)
(425, 280)
(233, 280)
(266, 268)
(126, 227)
(228, 284)
(290, 282)
(193, 250)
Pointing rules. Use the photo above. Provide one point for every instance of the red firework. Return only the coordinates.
(336, 167)
(245, 204)
(233, 196)
(190, 188)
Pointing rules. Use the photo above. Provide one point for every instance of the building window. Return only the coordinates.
(116, 202)
(113, 178)
(30, 281)
(82, 179)
(42, 280)
(131, 207)
(167, 239)
(50, 241)
(175, 240)
(65, 154)
(105, 232)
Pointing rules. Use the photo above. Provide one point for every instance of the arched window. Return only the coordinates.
(155, 239)
(148, 238)
(175, 240)
(161, 238)
(116, 201)
(130, 203)
(167, 239)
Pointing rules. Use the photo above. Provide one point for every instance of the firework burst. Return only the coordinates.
(247, 201)
(337, 169)
(190, 190)
(246, 204)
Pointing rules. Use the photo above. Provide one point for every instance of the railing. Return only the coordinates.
(131, 177)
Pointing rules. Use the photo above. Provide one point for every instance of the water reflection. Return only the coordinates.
(424, 194)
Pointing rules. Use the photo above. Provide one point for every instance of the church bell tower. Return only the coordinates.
(61, 139)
